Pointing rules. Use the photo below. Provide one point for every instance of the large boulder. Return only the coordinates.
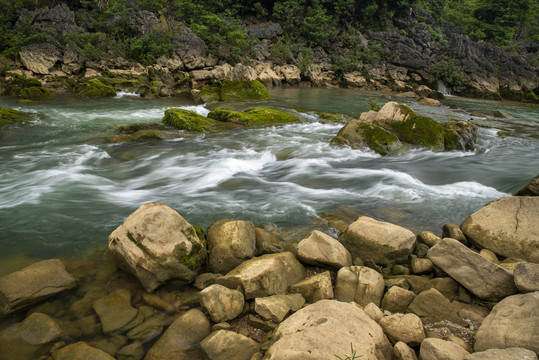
(507, 226)
(33, 284)
(230, 242)
(255, 116)
(513, 322)
(39, 58)
(328, 328)
(358, 134)
(378, 241)
(266, 275)
(223, 304)
(480, 276)
(225, 345)
(320, 249)
(243, 89)
(93, 88)
(156, 244)
(532, 189)
(360, 284)
(187, 120)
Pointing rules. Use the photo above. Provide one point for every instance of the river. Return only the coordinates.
(63, 188)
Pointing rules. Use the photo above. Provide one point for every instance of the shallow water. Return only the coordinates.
(63, 188)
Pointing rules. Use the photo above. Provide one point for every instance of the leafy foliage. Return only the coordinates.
(450, 74)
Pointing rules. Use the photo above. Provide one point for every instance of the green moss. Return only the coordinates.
(208, 93)
(187, 120)
(254, 90)
(254, 116)
(35, 93)
(419, 130)
(451, 139)
(136, 242)
(378, 139)
(30, 82)
(94, 88)
(11, 116)
(329, 118)
(133, 128)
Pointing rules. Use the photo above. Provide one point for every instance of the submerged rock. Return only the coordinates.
(248, 89)
(82, 351)
(12, 116)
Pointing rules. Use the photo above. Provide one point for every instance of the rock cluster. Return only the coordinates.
(406, 296)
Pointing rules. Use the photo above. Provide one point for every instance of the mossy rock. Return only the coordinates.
(460, 135)
(35, 93)
(94, 88)
(207, 94)
(11, 116)
(133, 128)
(253, 90)
(331, 118)
(379, 139)
(419, 130)
(254, 116)
(146, 135)
(187, 120)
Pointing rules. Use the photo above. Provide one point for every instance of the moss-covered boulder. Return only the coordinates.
(11, 116)
(207, 94)
(460, 135)
(94, 88)
(35, 93)
(187, 120)
(253, 90)
(142, 132)
(325, 117)
(254, 116)
(358, 134)
(419, 130)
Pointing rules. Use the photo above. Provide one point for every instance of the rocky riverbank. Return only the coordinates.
(168, 289)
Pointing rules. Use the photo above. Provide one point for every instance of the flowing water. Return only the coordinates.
(63, 188)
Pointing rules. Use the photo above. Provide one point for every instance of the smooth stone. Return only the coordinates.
(320, 249)
(315, 288)
(360, 284)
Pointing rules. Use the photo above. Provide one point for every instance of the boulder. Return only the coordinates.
(421, 266)
(276, 307)
(156, 244)
(187, 120)
(93, 88)
(503, 354)
(266, 275)
(315, 288)
(12, 116)
(481, 277)
(35, 93)
(39, 58)
(526, 277)
(460, 135)
(429, 102)
(428, 238)
(532, 189)
(431, 306)
(373, 311)
(182, 338)
(191, 49)
(226, 345)
(377, 241)
(407, 328)
(397, 299)
(401, 351)
(436, 349)
(507, 226)
(511, 323)
(31, 338)
(230, 242)
(33, 284)
(453, 231)
(360, 284)
(445, 285)
(267, 241)
(223, 304)
(255, 116)
(358, 134)
(290, 73)
(320, 249)
(81, 351)
(328, 328)
(116, 313)
(242, 73)
(243, 89)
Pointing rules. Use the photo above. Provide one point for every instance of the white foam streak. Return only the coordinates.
(124, 93)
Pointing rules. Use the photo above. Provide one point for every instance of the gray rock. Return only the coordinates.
(526, 276)
(226, 345)
(81, 351)
(507, 226)
(222, 303)
(397, 299)
(513, 322)
(39, 58)
(33, 284)
(407, 328)
(481, 277)
(315, 288)
(503, 354)
(320, 249)
(532, 189)
(381, 242)
(360, 284)
(431, 306)
(267, 30)
(436, 349)
(116, 313)
(230, 242)
(156, 244)
(182, 338)
(276, 307)
(191, 49)
(401, 351)
(266, 275)
(325, 329)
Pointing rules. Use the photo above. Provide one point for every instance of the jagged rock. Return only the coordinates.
(429, 102)
(192, 50)
(511, 323)
(360, 284)
(320, 249)
(407, 328)
(481, 277)
(290, 73)
(507, 226)
(503, 354)
(223, 304)
(242, 72)
(39, 58)
(225, 345)
(526, 277)
(397, 299)
(315, 288)
(532, 189)
(431, 306)
(230, 242)
(30, 338)
(33, 284)
(327, 328)
(156, 244)
(436, 349)
(116, 313)
(81, 351)
(378, 241)
(182, 338)
(276, 307)
(266, 30)
(401, 351)
(265, 275)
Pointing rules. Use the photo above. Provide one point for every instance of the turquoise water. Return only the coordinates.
(63, 188)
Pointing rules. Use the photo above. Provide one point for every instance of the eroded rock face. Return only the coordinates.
(39, 58)
(507, 226)
(156, 244)
(326, 328)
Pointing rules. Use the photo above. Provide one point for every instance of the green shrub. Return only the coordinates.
(451, 75)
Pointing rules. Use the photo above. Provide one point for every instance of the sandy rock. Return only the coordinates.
(407, 328)
(428, 238)
(315, 288)
(481, 277)
(290, 73)
(182, 338)
(230, 242)
(156, 244)
(373, 312)
(489, 255)
(133, 351)
(116, 313)
(397, 299)
(226, 345)
(33, 284)
(266, 275)
(355, 80)
(507, 226)
(223, 304)
(513, 322)
(39, 58)
(503, 354)
(81, 351)
(325, 329)
(320, 249)
(421, 266)
(401, 351)
(436, 349)
(276, 307)
(429, 102)
(378, 241)
(431, 306)
(360, 284)
(526, 277)
(445, 285)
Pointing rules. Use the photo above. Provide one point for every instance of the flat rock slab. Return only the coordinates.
(33, 284)
(116, 313)
(480, 276)
(507, 226)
